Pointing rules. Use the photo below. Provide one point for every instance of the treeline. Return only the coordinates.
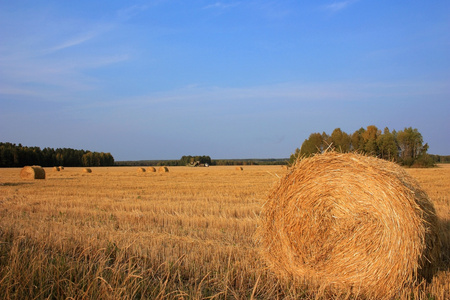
(440, 159)
(183, 161)
(251, 162)
(188, 160)
(405, 147)
(12, 155)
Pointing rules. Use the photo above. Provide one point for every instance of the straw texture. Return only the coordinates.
(32, 172)
(348, 221)
(163, 169)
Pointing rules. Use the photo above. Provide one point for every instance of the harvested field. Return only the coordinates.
(114, 234)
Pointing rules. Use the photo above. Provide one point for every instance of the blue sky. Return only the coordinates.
(229, 79)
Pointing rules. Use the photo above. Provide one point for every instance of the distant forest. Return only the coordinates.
(12, 155)
(405, 147)
(187, 160)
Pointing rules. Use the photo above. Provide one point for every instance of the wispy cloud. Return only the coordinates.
(221, 5)
(338, 6)
(292, 92)
(47, 78)
(131, 11)
(80, 38)
(39, 67)
(72, 42)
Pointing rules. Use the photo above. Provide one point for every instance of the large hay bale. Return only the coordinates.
(348, 221)
(151, 169)
(239, 168)
(163, 169)
(141, 170)
(87, 170)
(32, 172)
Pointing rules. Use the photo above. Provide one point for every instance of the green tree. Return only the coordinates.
(314, 144)
(412, 150)
(341, 140)
(357, 140)
(370, 136)
(87, 159)
(294, 156)
(387, 145)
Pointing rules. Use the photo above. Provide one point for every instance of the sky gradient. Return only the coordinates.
(229, 79)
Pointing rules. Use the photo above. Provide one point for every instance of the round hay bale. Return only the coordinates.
(239, 168)
(57, 169)
(141, 170)
(61, 168)
(348, 221)
(163, 169)
(32, 172)
(151, 169)
(87, 170)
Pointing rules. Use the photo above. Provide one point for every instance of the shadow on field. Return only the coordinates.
(445, 245)
(15, 183)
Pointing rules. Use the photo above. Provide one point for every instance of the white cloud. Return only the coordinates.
(337, 6)
(80, 38)
(72, 42)
(221, 5)
(131, 11)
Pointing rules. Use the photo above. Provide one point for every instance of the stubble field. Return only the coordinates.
(189, 233)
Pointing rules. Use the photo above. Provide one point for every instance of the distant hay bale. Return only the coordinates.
(141, 170)
(56, 169)
(61, 168)
(87, 170)
(239, 168)
(163, 169)
(285, 167)
(151, 169)
(32, 172)
(348, 221)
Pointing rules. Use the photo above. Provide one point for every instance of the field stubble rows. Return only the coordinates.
(116, 233)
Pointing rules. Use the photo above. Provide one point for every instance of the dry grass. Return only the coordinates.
(116, 235)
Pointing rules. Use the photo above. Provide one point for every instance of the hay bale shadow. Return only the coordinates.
(15, 183)
(445, 245)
